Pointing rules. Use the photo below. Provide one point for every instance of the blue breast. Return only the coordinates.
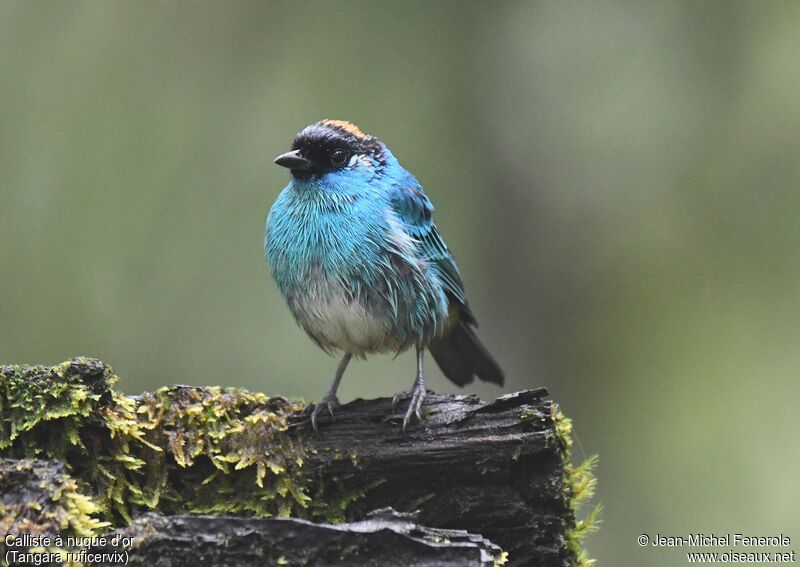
(349, 270)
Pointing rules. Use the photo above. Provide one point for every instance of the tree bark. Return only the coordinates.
(476, 483)
(383, 538)
(495, 469)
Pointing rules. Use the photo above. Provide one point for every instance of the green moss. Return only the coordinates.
(35, 395)
(575, 537)
(579, 487)
(187, 449)
(234, 448)
(179, 449)
(331, 502)
(40, 498)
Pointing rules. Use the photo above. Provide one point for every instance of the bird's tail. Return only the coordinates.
(461, 356)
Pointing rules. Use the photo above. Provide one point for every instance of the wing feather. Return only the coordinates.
(415, 210)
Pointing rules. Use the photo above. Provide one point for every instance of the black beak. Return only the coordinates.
(293, 160)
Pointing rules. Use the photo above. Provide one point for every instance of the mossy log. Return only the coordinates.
(190, 468)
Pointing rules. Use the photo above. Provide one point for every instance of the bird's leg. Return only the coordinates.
(417, 393)
(330, 400)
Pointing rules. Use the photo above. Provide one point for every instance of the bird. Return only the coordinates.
(353, 248)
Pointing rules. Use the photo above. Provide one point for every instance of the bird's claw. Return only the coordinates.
(328, 402)
(418, 393)
(399, 396)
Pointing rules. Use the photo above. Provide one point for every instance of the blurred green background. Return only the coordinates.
(619, 181)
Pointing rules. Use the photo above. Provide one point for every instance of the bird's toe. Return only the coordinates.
(332, 403)
(414, 406)
(329, 403)
(399, 396)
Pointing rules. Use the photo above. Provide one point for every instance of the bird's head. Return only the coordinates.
(332, 147)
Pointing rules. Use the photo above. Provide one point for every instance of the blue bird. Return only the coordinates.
(354, 250)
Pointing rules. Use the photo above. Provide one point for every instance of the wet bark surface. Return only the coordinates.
(475, 483)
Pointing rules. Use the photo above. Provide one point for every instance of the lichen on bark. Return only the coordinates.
(231, 446)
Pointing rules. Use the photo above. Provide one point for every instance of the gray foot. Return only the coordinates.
(417, 393)
(330, 401)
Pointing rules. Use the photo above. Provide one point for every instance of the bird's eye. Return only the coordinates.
(338, 156)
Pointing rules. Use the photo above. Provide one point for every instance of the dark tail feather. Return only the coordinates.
(461, 356)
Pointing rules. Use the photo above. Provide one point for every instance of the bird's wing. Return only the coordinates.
(459, 353)
(416, 212)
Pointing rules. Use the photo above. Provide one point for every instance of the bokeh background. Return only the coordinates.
(619, 181)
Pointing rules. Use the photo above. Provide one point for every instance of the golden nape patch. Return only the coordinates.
(348, 127)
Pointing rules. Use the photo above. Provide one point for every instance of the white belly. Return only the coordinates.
(338, 322)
